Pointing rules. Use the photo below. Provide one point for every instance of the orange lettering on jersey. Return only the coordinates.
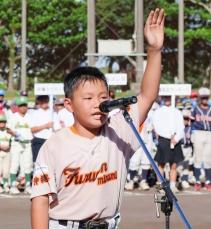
(36, 180)
(73, 176)
(43, 178)
(70, 173)
(107, 177)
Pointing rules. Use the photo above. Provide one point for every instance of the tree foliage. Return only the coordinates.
(197, 40)
(56, 35)
(54, 28)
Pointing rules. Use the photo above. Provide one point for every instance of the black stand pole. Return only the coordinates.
(166, 208)
(169, 199)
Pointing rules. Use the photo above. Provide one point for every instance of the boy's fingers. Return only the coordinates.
(149, 19)
(163, 21)
(155, 16)
(160, 17)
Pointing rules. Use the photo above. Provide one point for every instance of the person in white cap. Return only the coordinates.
(21, 152)
(201, 138)
(64, 117)
(185, 167)
(5, 140)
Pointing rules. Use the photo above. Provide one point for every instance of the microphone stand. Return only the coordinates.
(169, 199)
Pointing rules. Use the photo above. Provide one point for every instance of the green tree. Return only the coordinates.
(116, 20)
(10, 18)
(197, 40)
(55, 27)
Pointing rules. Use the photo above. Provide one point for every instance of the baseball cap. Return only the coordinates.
(21, 100)
(3, 117)
(194, 94)
(2, 92)
(59, 101)
(204, 92)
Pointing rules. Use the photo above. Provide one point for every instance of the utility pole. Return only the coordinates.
(23, 45)
(91, 36)
(139, 35)
(181, 42)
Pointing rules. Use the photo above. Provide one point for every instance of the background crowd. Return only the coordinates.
(179, 139)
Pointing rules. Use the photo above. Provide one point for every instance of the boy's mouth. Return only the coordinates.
(98, 115)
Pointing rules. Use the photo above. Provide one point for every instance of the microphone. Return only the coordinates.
(109, 105)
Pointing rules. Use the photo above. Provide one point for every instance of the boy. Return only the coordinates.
(5, 139)
(201, 138)
(80, 172)
(21, 153)
(41, 123)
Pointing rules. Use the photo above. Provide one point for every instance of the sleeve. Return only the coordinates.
(56, 123)
(10, 122)
(122, 128)
(179, 127)
(44, 181)
(193, 113)
(32, 119)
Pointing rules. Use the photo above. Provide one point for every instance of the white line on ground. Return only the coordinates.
(184, 193)
(7, 196)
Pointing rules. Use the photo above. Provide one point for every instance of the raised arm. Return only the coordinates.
(154, 34)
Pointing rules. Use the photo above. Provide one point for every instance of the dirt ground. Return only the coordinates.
(138, 211)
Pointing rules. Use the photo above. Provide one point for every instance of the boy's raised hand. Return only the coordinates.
(154, 29)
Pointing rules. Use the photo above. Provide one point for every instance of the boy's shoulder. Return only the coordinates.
(60, 134)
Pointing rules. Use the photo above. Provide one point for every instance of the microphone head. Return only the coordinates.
(133, 99)
(104, 106)
(121, 103)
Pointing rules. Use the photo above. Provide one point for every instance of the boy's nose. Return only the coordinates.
(97, 103)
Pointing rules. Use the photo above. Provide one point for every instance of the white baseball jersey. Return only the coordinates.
(86, 176)
(4, 138)
(21, 125)
(65, 118)
(4, 156)
(41, 117)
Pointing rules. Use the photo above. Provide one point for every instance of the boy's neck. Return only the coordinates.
(85, 132)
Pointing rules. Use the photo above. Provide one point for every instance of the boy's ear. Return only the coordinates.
(68, 104)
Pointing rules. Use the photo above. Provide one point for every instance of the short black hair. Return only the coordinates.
(42, 99)
(79, 75)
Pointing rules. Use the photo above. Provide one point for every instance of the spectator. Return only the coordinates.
(41, 124)
(3, 103)
(21, 153)
(65, 118)
(169, 126)
(202, 139)
(185, 167)
(139, 166)
(5, 139)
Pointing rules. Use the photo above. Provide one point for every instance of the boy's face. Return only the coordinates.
(22, 108)
(85, 104)
(204, 100)
(2, 125)
(44, 105)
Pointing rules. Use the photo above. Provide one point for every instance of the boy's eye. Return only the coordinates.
(88, 98)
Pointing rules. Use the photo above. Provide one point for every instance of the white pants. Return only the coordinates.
(4, 164)
(113, 224)
(139, 161)
(202, 148)
(21, 156)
